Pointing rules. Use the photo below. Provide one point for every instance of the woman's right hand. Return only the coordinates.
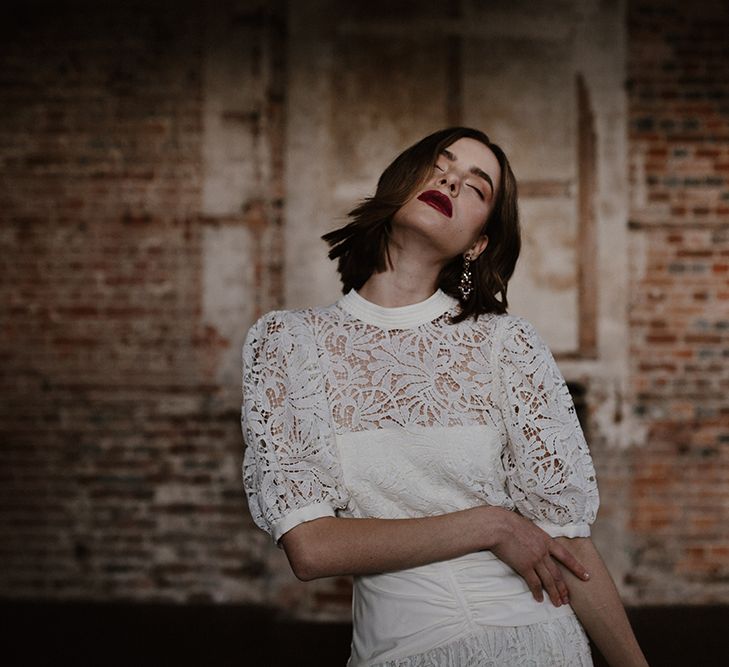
(529, 551)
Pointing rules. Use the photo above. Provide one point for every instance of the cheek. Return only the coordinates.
(475, 214)
(403, 212)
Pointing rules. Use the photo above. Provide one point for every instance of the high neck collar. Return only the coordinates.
(397, 317)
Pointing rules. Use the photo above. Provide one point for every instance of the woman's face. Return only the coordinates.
(452, 207)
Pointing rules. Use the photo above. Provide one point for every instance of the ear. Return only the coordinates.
(478, 247)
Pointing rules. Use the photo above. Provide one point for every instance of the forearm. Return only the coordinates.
(597, 605)
(333, 546)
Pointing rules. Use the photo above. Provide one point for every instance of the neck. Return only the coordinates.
(408, 281)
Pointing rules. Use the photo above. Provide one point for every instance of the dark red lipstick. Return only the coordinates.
(438, 201)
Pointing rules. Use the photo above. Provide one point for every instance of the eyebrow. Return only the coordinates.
(476, 171)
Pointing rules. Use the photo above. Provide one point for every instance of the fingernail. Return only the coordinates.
(587, 575)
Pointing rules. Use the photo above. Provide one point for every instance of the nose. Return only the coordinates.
(451, 181)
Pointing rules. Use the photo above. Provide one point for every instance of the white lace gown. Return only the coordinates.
(358, 410)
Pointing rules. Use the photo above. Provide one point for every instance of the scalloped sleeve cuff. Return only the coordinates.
(297, 516)
(569, 530)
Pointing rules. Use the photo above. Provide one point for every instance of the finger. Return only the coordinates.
(548, 581)
(558, 579)
(565, 556)
(535, 585)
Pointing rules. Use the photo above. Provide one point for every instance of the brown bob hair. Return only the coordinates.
(362, 246)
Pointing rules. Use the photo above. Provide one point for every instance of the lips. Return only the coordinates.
(438, 201)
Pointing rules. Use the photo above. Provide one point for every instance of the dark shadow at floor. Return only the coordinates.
(44, 633)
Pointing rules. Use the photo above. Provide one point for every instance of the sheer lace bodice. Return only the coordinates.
(358, 410)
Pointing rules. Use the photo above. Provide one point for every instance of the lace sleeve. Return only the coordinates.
(291, 471)
(550, 473)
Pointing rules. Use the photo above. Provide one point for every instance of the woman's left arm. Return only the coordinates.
(551, 478)
(598, 606)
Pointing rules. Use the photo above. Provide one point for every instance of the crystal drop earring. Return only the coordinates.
(466, 286)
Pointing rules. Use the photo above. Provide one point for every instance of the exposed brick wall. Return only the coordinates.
(119, 465)
(678, 82)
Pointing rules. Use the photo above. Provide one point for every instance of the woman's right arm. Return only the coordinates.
(333, 546)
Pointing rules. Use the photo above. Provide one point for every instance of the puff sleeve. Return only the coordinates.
(549, 471)
(291, 471)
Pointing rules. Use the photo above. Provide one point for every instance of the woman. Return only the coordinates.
(416, 436)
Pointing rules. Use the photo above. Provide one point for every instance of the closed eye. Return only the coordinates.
(480, 194)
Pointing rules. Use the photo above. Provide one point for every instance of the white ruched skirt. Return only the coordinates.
(471, 611)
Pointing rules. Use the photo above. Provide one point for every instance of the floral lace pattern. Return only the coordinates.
(313, 375)
(561, 641)
(290, 462)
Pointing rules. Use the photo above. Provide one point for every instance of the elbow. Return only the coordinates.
(303, 551)
(308, 575)
(302, 568)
